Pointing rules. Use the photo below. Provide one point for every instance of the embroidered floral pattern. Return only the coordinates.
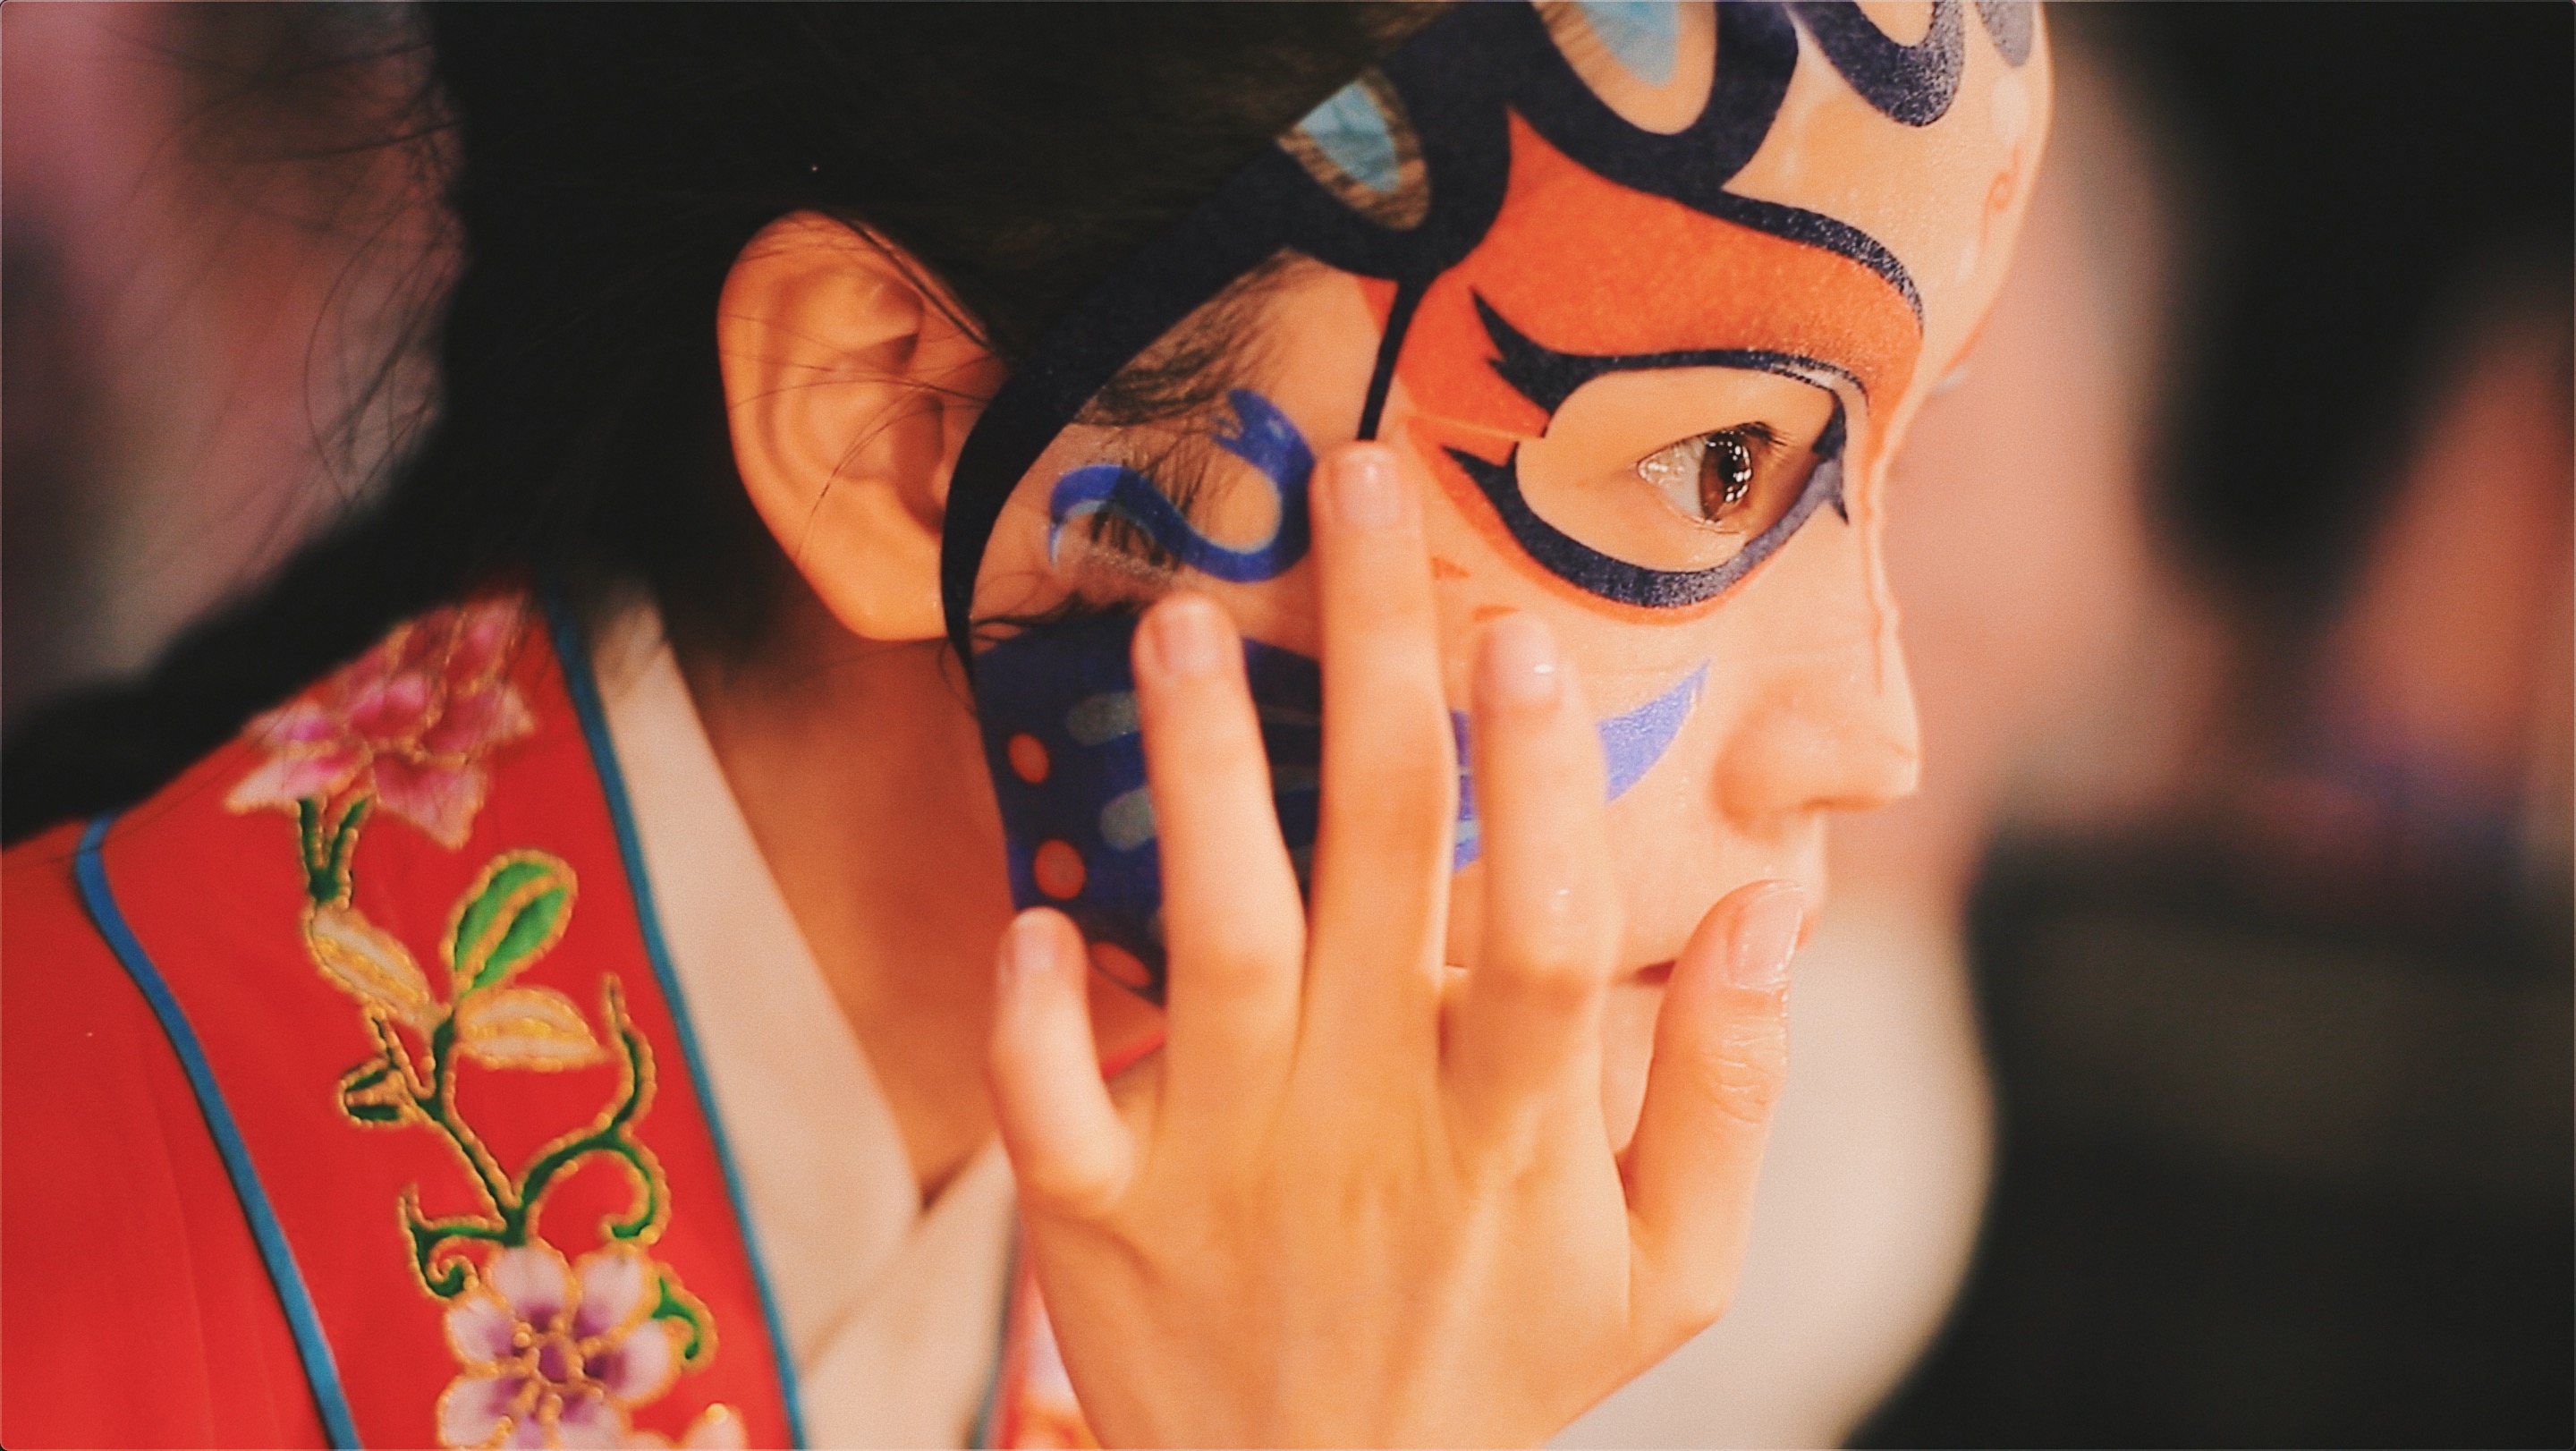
(552, 1353)
(505, 921)
(407, 725)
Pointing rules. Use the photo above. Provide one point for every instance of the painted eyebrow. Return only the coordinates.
(1547, 377)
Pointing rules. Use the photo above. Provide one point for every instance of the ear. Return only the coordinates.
(849, 386)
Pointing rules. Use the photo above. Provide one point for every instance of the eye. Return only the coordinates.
(1608, 487)
(1709, 479)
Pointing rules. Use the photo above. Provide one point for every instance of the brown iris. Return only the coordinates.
(1725, 474)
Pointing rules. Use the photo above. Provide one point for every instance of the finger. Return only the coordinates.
(1525, 1028)
(1721, 1054)
(1068, 1149)
(1390, 781)
(1233, 927)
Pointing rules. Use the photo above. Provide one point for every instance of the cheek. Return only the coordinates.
(1479, 578)
(1692, 713)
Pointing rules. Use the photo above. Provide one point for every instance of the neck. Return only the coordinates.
(859, 769)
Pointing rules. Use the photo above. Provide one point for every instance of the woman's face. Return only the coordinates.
(1657, 416)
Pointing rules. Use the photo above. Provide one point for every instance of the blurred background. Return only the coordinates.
(2270, 939)
(2237, 564)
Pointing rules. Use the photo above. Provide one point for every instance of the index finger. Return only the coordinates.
(1390, 779)
(1233, 926)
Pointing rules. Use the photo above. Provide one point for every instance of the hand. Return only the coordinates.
(1362, 1198)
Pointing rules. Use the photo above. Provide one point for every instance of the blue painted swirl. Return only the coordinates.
(1264, 438)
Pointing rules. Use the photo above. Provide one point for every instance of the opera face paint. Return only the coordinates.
(1058, 710)
(1641, 295)
(1264, 438)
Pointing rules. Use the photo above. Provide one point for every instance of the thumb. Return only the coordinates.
(1721, 1055)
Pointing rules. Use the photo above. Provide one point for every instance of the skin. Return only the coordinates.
(1433, 1159)
(2017, 549)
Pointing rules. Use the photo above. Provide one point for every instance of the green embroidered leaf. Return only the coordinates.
(512, 915)
(372, 1093)
(308, 831)
(334, 876)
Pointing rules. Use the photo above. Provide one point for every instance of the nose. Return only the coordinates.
(1830, 727)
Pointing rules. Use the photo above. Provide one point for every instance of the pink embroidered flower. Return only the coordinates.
(409, 722)
(556, 1355)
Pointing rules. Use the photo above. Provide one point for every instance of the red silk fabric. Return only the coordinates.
(134, 1306)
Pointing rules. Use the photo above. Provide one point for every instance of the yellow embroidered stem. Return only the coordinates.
(608, 1134)
(513, 1303)
(440, 1107)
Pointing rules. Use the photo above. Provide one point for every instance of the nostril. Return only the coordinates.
(1897, 773)
(1876, 772)
(1792, 761)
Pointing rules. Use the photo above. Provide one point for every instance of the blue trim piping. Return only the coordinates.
(321, 1372)
(573, 654)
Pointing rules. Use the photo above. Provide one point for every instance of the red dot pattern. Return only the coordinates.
(1028, 758)
(1059, 870)
(1121, 966)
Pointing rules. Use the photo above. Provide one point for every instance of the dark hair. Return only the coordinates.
(607, 165)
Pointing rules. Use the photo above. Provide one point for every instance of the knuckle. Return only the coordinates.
(1675, 1297)
(1742, 1069)
(1549, 981)
(1691, 1307)
(1558, 944)
(1223, 972)
(1396, 754)
(1069, 1187)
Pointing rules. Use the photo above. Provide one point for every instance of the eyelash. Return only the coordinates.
(1676, 469)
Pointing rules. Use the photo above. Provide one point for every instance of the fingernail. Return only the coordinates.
(1366, 492)
(1520, 662)
(1022, 951)
(1183, 636)
(1765, 936)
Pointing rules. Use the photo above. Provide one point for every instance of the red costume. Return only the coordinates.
(346, 1098)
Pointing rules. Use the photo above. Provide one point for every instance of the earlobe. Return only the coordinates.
(849, 387)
